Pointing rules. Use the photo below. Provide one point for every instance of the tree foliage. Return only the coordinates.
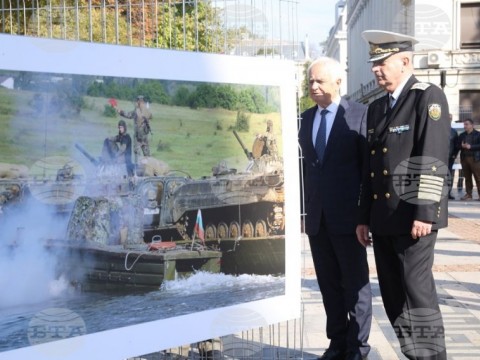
(203, 95)
(152, 90)
(305, 101)
(243, 121)
(226, 97)
(181, 96)
(252, 100)
(193, 26)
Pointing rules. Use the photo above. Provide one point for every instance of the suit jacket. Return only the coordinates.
(332, 187)
(407, 168)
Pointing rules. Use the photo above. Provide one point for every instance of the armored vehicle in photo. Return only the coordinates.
(242, 214)
(123, 232)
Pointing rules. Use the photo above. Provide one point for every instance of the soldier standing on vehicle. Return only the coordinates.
(266, 143)
(141, 116)
(118, 149)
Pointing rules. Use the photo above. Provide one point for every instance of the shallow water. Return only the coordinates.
(104, 311)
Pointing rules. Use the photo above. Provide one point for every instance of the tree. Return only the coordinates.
(181, 97)
(305, 100)
(194, 26)
(153, 90)
(243, 121)
(252, 100)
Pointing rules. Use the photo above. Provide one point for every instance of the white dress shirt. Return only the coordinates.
(330, 116)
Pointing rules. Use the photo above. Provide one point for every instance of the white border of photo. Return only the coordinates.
(67, 57)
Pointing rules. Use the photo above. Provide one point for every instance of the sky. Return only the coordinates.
(315, 18)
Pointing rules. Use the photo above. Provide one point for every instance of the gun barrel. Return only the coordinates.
(249, 155)
(87, 154)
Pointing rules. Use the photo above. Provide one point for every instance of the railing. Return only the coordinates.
(215, 26)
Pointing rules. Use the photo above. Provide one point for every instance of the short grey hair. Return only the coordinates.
(333, 66)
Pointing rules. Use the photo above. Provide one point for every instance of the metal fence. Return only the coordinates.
(242, 27)
(279, 341)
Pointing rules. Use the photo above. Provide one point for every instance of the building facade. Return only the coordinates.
(336, 45)
(448, 52)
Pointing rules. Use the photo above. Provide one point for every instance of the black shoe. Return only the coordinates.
(354, 355)
(450, 197)
(333, 354)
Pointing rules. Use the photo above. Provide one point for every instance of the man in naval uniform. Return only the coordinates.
(403, 201)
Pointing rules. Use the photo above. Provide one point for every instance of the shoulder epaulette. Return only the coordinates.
(420, 86)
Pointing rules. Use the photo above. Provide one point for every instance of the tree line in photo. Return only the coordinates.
(209, 96)
(71, 89)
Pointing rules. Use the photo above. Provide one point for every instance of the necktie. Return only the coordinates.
(321, 140)
(391, 101)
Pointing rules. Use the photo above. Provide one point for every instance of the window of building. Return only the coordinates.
(470, 26)
(469, 105)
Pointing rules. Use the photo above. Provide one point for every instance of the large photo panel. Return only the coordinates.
(148, 198)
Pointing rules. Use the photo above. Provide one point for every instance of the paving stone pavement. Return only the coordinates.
(457, 277)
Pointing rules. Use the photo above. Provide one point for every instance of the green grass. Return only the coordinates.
(191, 139)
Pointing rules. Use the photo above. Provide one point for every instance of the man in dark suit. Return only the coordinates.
(405, 192)
(332, 139)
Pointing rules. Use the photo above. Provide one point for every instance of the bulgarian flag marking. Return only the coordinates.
(198, 228)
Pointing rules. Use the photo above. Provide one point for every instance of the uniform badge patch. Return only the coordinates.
(398, 129)
(434, 111)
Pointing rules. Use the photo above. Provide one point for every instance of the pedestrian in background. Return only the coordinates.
(332, 139)
(452, 155)
(404, 196)
(469, 142)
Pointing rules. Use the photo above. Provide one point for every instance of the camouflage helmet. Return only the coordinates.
(123, 123)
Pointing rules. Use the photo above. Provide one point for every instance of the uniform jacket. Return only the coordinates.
(332, 187)
(475, 145)
(407, 167)
(124, 142)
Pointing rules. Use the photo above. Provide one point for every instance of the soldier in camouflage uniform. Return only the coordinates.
(141, 116)
(118, 149)
(270, 140)
(267, 141)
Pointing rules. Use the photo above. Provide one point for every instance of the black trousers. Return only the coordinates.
(407, 286)
(342, 274)
(451, 172)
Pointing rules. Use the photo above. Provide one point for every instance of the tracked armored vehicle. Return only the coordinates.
(138, 232)
(242, 214)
